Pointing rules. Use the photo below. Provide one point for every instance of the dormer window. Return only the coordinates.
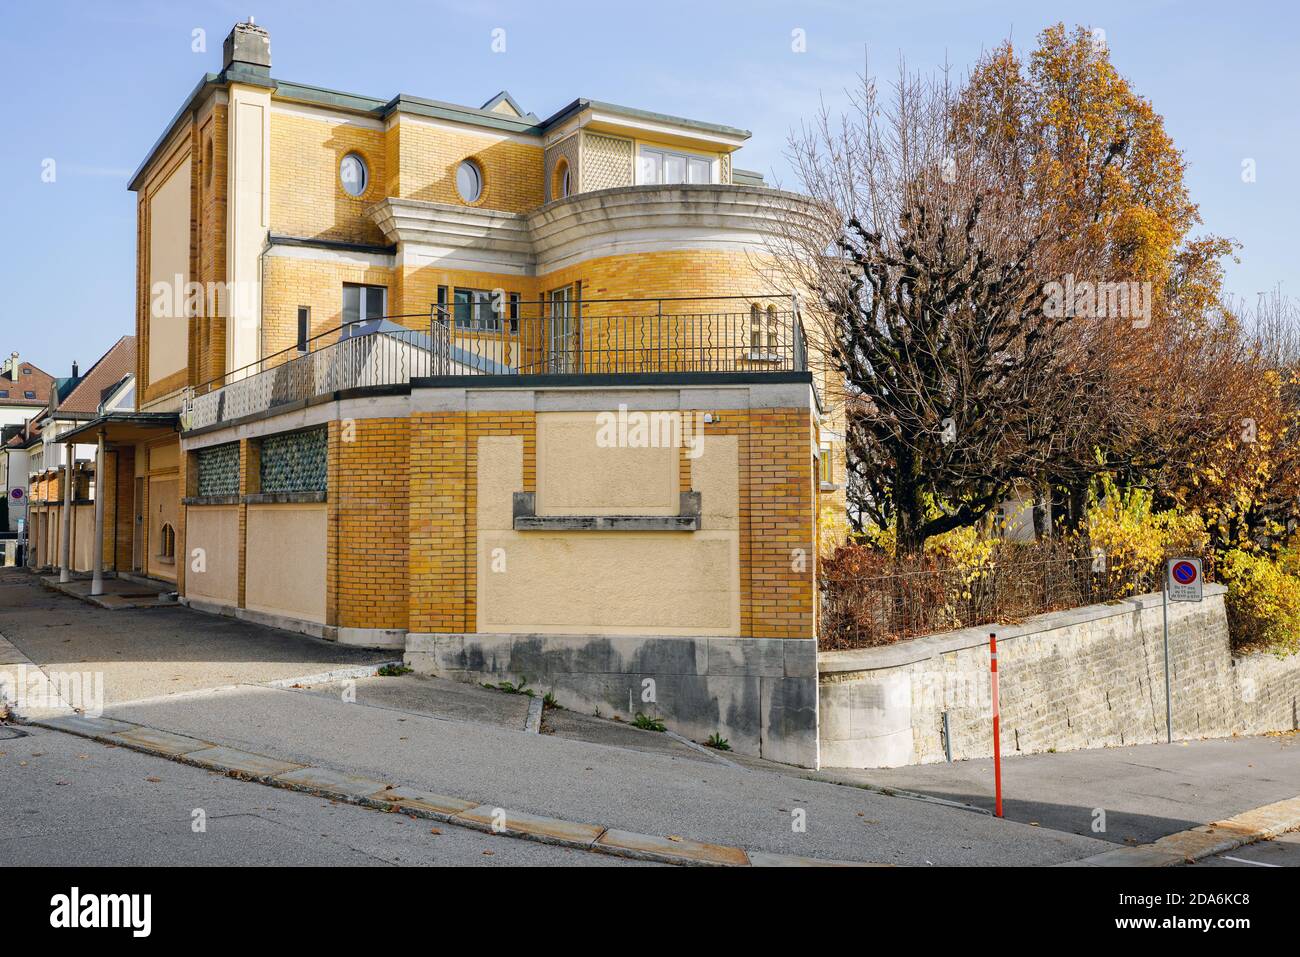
(668, 167)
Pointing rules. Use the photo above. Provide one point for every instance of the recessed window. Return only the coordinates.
(304, 325)
(562, 184)
(469, 181)
(474, 309)
(353, 174)
(167, 545)
(4, 393)
(666, 167)
(29, 395)
(363, 302)
(207, 163)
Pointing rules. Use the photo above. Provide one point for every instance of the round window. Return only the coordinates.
(353, 174)
(469, 181)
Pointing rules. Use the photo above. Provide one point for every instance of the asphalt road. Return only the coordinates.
(68, 801)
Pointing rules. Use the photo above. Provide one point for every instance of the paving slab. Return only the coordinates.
(163, 742)
(245, 762)
(415, 799)
(325, 779)
(674, 848)
(545, 829)
(83, 724)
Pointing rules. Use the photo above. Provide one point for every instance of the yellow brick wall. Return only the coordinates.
(208, 342)
(307, 197)
(288, 283)
(368, 492)
(777, 515)
(428, 157)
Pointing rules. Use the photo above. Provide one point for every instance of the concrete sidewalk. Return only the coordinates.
(144, 653)
(1147, 791)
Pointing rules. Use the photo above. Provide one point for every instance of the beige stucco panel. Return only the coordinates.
(214, 572)
(163, 509)
(169, 258)
(715, 474)
(609, 583)
(500, 475)
(248, 211)
(579, 472)
(83, 538)
(285, 564)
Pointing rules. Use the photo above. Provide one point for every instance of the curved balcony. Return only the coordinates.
(607, 337)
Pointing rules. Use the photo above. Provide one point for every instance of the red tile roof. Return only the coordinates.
(30, 379)
(112, 368)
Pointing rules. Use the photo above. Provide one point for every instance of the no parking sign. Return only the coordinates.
(1183, 579)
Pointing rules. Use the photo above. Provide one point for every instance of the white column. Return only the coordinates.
(97, 578)
(65, 540)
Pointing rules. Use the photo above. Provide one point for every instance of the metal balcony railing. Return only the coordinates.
(509, 337)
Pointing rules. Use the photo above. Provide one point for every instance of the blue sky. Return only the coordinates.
(92, 84)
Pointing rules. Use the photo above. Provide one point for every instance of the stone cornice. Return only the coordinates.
(592, 225)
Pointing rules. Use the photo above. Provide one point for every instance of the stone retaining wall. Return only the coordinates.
(1084, 678)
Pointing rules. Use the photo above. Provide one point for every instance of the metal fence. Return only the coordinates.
(878, 601)
(510, 337)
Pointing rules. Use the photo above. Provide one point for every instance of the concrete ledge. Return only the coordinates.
(285, 498)
(934, 646)
(759, 693)
(527, 519)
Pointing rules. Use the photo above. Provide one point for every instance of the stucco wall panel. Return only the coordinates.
(215, 530)
(615, 583)
(286, 557)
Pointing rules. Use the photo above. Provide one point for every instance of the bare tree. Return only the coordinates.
(927, 289)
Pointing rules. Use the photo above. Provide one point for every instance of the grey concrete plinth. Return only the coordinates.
(758, 693)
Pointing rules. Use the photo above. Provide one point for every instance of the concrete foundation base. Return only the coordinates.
(758, 693)
(377, 638)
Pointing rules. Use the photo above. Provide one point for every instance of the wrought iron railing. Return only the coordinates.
(509, 337)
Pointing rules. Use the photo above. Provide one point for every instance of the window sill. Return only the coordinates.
(526, 518)
(285, 498)
(764, 357)
(233, 499)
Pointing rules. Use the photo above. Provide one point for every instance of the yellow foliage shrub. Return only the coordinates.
(1263, 600)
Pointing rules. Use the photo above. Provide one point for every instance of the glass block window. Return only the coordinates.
(294, 462)
(219, 470)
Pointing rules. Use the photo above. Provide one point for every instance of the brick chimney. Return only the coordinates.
(247, 52)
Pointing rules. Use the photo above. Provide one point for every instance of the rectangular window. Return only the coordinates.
(827, 466)
(668, 167)
(363, 302)
(473, 309)
(441, 306)
(304, 327)
(514, 312)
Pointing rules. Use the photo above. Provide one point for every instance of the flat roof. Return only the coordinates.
(419, 106)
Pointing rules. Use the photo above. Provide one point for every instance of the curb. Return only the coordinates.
(533, 721)
(378, 795)
(1187, 847)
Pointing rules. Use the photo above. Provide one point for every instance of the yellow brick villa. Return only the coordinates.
(516, 397)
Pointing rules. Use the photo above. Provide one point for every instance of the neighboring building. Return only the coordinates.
(409, 386)
(24, 391)
(107, 387)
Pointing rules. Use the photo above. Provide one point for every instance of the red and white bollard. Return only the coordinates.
(997, 726)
